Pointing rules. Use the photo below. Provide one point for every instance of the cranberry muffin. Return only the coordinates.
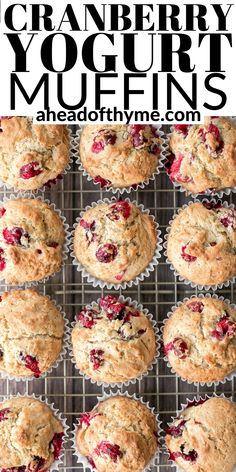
(200, 339)
(119, 435)
(113, 341)
(31, 240)
(201, 243)
(32, 155)
(202, 438)
(115, 241)
(203, 157)
(30, 435)
(31, 333)
(120, 156)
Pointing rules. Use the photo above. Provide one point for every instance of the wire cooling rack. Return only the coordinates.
(64, 387)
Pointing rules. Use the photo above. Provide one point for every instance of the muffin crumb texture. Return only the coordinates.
(31, 240)
(31, 333)
(202, 438)
(119, 435)
(120, 156)
(113, 341)
(31, 436)
(201, 243)
(32, 155)
(200, 339)
(203, 157)
(115, 241)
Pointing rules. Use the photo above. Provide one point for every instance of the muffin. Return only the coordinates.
(30, 435)
(31, 240)
(120, 156)
(202, 438)
(201, 243)
(200, 339)
(113, 341)
(203, 157)
(115, 241)
(31, 333)
(118, 435)
(32, 155)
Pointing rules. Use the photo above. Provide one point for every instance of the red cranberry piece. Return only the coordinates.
(39, 251)
(127, 337)
(51, 182)
(224, 327)
(102, 139)
(182, 129)
(106, 253)
(89, 230)
(3, 414)
(191, 456)
(120, 276)
(130, 313)
(103, 182)
(53, 244)
(37, 464)
(138, 137)
(96, 357)
(30, 170)
(120, 208)
(87, 418)
(108, 300)
(31, 363)
(194, 402)
(214, 243)
(116, 311)
(229, 220)
(5, 118)
(212, 129)
(2, 211)
(22, 468)
(2, 260)
(187, 257)
(13, 236)
(56, 444)
(176, 430)
(111, 450)
(178, 346)
(197, 307)
(212, 205)
(91, 461)
(155, 149)
(88, 317)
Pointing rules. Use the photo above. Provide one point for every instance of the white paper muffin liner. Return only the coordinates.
(174, 418)
(230, 376)
(65, 250)
(150, 267)
(105, 396)
(209, 193)
(138, 306)
(122, 190)
(55, 466)
(182, 279)
(65, 345)
(72, 144)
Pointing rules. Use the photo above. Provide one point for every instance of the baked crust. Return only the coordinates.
(205, 159)
(38, 252)
(30, 325)
(210, 432)
(125, 423)
(207, 235)
(27, 433)
(127, 233)
(22, 143)
(121, 163)
(210, 354)
(124, 335)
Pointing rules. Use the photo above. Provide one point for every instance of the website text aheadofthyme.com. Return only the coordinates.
(105, 115)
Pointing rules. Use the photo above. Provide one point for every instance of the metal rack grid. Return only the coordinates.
(64, 387)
